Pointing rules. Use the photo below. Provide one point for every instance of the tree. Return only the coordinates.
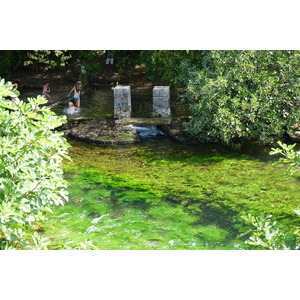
(92, 60)
(242, 95)
(166, 65)
(31, 176)
(10, 61)
(47, 58)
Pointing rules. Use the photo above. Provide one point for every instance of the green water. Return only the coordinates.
(160, 194)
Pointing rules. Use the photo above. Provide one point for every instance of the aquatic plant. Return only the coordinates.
(164, 195)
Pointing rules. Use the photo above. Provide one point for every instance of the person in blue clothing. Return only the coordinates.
(77, 91)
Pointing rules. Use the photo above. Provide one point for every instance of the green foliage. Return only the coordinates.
(31, 177)
(166, 65)
(290, 157)
(239, 95)
(265, 233)
(10, 61)
(92, 60)
(162, 66)
(126, 60)
(47, 58)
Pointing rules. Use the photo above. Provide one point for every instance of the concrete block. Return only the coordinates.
(161, 91)
(122, 101)
(161, 101)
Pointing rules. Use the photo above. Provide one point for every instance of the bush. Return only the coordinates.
(10, 61)
(48, 59)
(289, 157)
(242, 95)
(31, 177)
(265, 233)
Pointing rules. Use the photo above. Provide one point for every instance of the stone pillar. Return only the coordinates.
(161, 101)
(122, 102)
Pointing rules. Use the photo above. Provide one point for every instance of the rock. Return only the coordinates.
(100, 131)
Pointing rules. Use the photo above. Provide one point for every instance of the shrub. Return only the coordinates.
(31, 177)
(242, 95)
(265, 233)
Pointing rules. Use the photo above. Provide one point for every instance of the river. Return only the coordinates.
(160, 194)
